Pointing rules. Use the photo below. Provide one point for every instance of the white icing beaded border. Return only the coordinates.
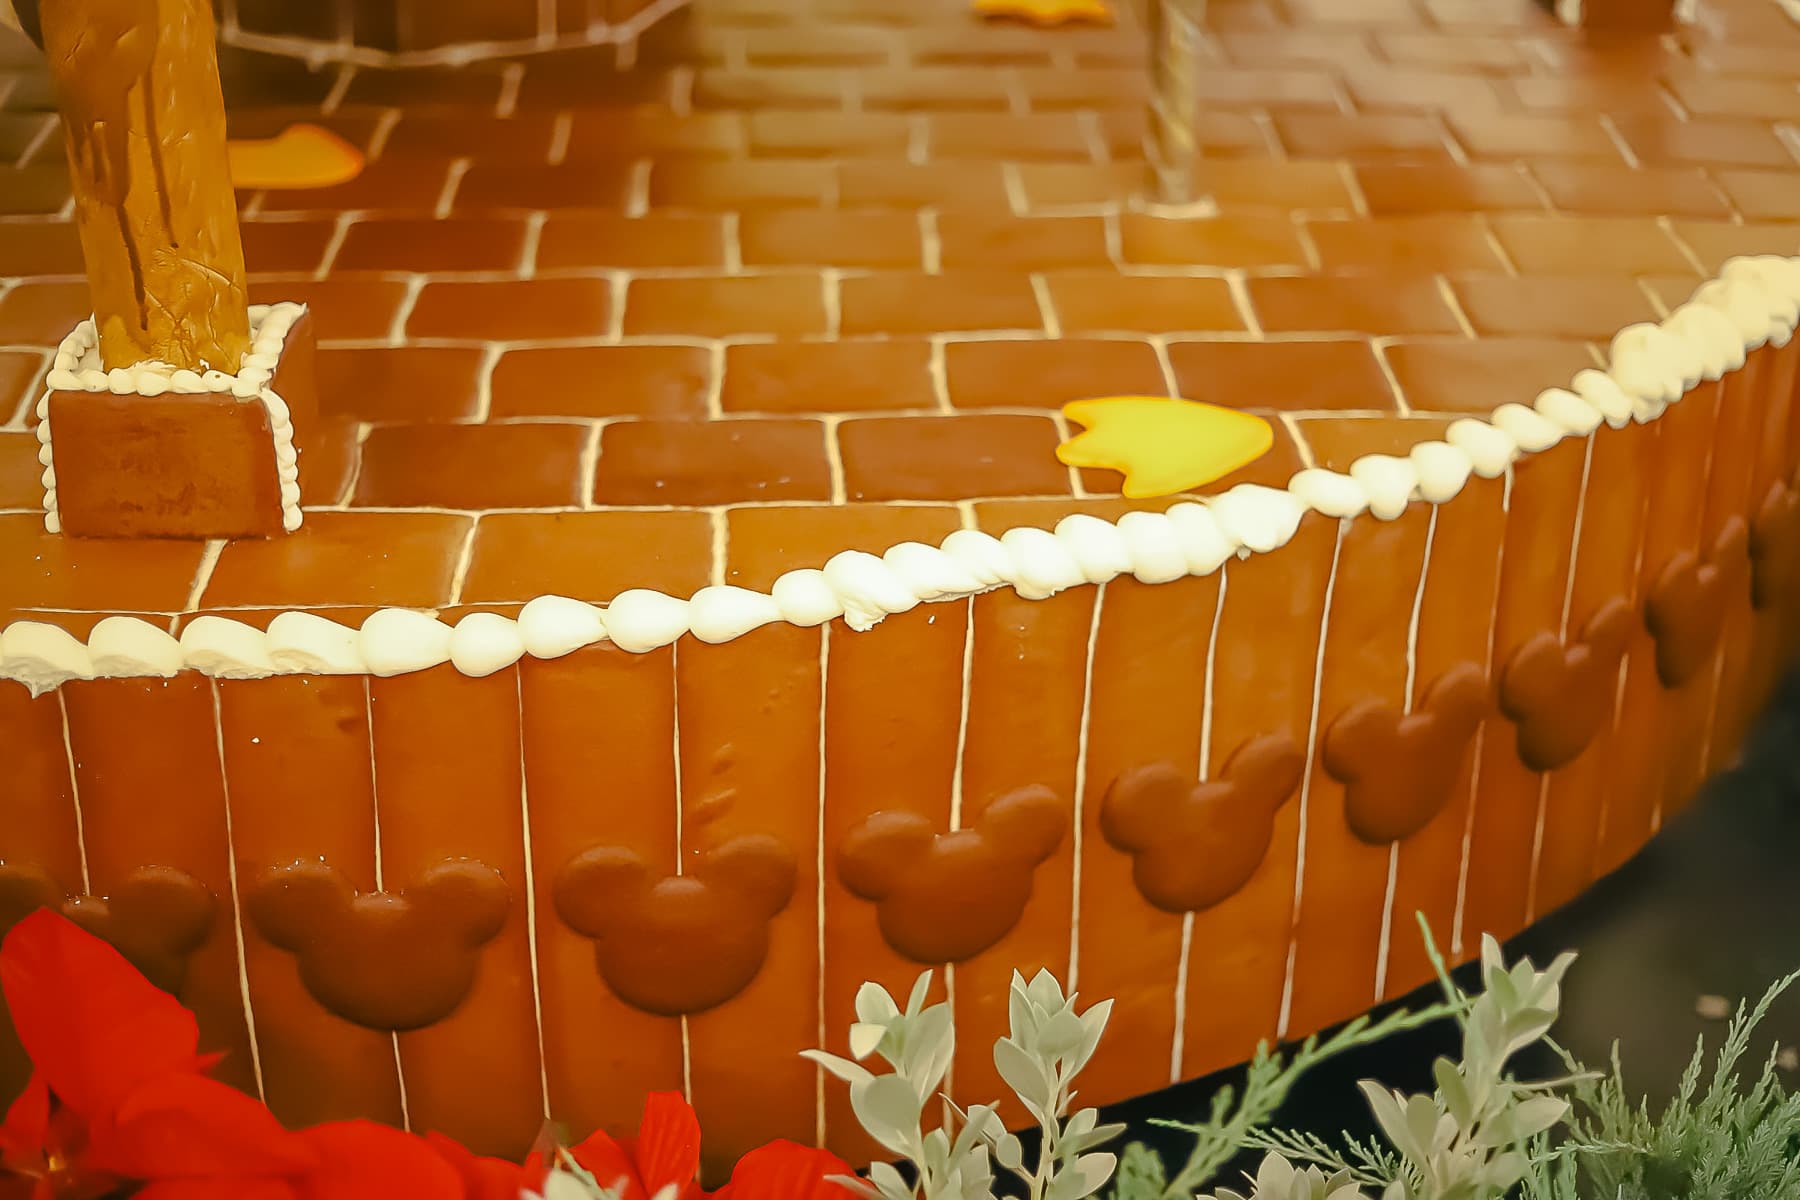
(1753, 302)
(77, 368)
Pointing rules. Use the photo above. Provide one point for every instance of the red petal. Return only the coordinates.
(26, 1130)
(217, 1189)
(668, 1142)
(188, 1126)
(786, 1171)
(482, 1178)
(360, 1160)
(610, 1165)
(92, 1025)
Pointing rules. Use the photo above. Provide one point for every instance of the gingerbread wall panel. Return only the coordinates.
(1775, 516)
(1147, 708)
(749, 713)
(1545, 491)
(301, 789)
(453, 851)
(894, 696)
(600, 763)
(1759, 424)
(1028, 704)
(1682, 438)
(169, 767)
(1603, 583)
(1362, 690)
(1273, 611)
(1456, 630)
(40, 837)
(1685, 602)
(1721, 586)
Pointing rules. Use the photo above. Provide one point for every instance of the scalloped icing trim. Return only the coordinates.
(1753, 302)
(76, 368)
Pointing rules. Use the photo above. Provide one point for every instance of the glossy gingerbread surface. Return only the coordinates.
(779, 280)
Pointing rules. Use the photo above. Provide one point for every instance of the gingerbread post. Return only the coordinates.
(1622, 16)
(178, 409)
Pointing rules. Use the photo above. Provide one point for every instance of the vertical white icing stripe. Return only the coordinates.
(1080, 791)
(531, 913)
(237, 907)
(1312, 739)
(1178, 1045)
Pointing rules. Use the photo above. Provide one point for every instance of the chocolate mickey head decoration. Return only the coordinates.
(1560, 696)
(1398, 770)
(384, 960)
(1194, 844)
(1775, 546)
(1687, 604)
(946, 897)
(156, 917)
(678, 944)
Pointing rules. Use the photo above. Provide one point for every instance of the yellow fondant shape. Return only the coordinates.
(1163, 445)
(299, 157)
(1047, 12)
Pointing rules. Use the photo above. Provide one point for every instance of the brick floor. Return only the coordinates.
(863, 253)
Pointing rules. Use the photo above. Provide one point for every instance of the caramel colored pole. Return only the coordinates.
(1171, 141)
(138, 85)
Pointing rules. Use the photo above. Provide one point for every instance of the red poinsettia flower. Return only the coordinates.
(661, 1163)
(786, 1171)
(483, 1178)
(117, 1092)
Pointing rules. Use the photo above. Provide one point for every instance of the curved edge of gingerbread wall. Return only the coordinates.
(1753, 302)
(335, 36)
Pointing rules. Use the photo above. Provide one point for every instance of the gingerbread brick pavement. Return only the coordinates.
(786, 277)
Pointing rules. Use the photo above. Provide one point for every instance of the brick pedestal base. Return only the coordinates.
(146, 452)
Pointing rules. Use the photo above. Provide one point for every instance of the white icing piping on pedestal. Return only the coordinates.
(76, 368)
(1755, 301)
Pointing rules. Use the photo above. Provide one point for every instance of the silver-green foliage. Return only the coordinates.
(1047, 1046)
(1730, 1142)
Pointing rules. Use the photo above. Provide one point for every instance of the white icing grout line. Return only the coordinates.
(931, 242)
(721, 534)
(1312, 738)
(1080, 799)
(463, 559)
(384, 129)
(831, 285)
(237, 909)
(452, 180)
(511, 76)
(939, 369)
(819, 1129)
(834, 457)
(62, 704)
(339, 231)
(1179, 1045)
(45, 131)
(1040, 291)
(1380, 346)
(403, 312)
(1455, 306)
(534, 236)
(335, 97)
(560, 130)
(531, 914)
(209, 558)
(1302, 447)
